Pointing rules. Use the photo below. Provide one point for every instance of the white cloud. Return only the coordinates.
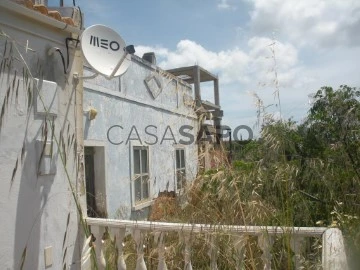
(270, 56)
(230, 64)
(321, 23)
(233, 65)
(223, 4)
(239, 71)
(160, 51)
(252, 68)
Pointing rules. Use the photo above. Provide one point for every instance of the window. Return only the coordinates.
(180, 168)
(141, 183)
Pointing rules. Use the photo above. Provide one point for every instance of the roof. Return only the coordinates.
(166, 73)
(187, 74)
(45, 11)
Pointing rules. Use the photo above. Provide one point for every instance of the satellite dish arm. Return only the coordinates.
(76, 76)
(128, 50)
(118, 65)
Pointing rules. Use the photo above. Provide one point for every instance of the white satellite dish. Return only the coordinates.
(104, 50)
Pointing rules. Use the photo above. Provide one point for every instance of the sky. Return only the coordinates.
(257, 47)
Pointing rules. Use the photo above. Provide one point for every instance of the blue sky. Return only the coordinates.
(315, 43)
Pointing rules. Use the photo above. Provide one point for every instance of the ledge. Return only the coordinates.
(142, 205)
(201, 228)
(209, 105)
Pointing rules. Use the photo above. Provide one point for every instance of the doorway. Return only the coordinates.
(95, 181)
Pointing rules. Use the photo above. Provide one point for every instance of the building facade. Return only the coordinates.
(142, 140)
(39, 142)
(73, 147)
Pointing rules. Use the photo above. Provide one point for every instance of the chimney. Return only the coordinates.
(150, 57)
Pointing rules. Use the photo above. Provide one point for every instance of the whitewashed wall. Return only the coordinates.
(127, 102)
(34, 208)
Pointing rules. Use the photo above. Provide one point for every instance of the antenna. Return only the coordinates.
(105, 51)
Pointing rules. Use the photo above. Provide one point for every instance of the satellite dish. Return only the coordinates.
(105, 50)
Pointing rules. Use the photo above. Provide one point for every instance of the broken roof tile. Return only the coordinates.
(68, 20)
(45, 11)
(42, 9)
(55, 14)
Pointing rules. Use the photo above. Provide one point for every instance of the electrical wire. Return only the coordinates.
(81, 18)
(62, 59)
(67, 40)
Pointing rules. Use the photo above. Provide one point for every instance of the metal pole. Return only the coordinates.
(230, 142)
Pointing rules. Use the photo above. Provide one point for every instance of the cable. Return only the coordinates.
(81, 18)
(67, 49)
(62, 59)
(52, 50)
(67, 40)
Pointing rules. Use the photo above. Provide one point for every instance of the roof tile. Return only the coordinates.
(45, 11)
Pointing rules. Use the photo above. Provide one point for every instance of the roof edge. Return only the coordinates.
(24, 11)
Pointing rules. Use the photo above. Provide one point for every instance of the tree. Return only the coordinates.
(334, 123)
(294, 175)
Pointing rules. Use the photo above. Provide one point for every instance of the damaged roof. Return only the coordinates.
(45, 11)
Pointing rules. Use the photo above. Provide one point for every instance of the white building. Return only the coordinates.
(39, 142)
(142, 141)
(139, 132)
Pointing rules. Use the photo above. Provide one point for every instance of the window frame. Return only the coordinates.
(179, 169)
(144, 202)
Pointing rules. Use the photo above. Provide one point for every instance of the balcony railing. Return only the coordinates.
(332, 256)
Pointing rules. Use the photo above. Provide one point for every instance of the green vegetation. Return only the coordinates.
(303, 175)
(295, 175)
